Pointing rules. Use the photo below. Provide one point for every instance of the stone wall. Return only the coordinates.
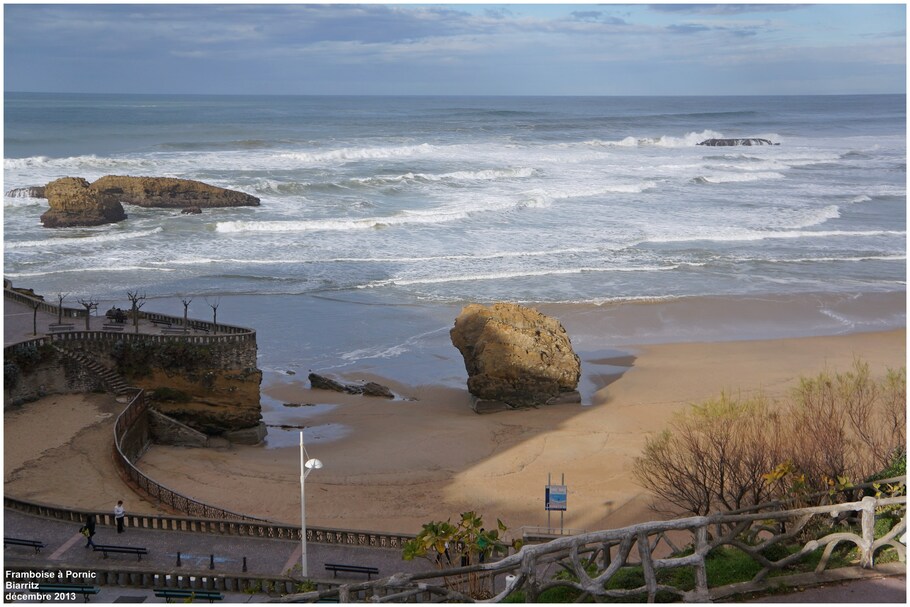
(54, 375)
(168, 431)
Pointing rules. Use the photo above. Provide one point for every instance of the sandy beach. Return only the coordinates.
(394, 465)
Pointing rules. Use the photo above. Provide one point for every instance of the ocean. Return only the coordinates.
(382, 216)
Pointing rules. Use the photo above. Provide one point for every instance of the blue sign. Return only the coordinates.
(555, 497)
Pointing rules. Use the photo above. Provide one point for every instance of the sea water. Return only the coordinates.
(381, 216)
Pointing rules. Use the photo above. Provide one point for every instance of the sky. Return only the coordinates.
(456, 49)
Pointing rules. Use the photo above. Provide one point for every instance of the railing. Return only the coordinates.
(590, 561)
(218, 333)
(137, 408)
(44, 306)
(208, 526)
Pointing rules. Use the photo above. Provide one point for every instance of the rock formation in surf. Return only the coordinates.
(515, 357)
(370, 388)
(169, 192)
(730, 142)
(74, 203)
(35, 191)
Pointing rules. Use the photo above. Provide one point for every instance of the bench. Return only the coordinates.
(112, 327)
(60, 591)
(174, 331)
(58, 328)
(163, 323)
(15, 541)
(181, 593)
(124, 549)
(334, 567)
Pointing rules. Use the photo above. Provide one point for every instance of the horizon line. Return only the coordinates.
(171, 94)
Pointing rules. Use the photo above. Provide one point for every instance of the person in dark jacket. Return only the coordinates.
(88, 530)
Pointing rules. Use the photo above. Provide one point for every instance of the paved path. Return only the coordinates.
(876, 590)
(65, 546)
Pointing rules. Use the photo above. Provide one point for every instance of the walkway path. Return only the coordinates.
(65, 547)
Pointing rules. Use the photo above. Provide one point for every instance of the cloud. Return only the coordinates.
(723, 9)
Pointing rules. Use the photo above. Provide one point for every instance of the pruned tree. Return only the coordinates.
(35, 305)
(88, 304)
(186, 311)
(136, 301)
(60, 298)
(214, 306)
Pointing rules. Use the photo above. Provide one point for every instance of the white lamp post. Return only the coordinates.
(306, 466)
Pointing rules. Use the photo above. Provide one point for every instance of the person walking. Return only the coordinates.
(119, 515)
(88, 530)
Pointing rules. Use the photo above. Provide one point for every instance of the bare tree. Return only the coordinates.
(186, 311)
(214, 306)
(35, 305)
(60, 298)
(88, 304)
(137, 302)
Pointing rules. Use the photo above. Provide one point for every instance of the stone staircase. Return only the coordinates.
(111, 380)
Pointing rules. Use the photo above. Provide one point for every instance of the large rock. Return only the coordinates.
(74, 202)
(516, 356)
(169, 192)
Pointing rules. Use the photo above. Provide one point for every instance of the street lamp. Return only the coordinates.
(306, 466)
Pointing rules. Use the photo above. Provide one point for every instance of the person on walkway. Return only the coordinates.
(119, 515)
(88, 530)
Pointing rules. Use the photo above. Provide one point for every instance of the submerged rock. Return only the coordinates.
(35, 191)
(74, 202)
(370, 388)
(515, 356)
(731, 142)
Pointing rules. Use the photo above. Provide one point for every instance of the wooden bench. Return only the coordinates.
(162, 323)
(59, 328)
(60, 591)
(174, 331)
(183, 593)
(335, 567)
(112, 326)
(124, 549)
(15, 541)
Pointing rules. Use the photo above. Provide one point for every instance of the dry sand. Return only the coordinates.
(405, 462)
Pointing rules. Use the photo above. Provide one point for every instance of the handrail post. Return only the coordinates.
(868, 528)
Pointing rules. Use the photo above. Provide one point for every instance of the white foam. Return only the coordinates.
(355, 154)
(515, 274)
(81, 241)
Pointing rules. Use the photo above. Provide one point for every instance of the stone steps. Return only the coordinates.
(111, 380)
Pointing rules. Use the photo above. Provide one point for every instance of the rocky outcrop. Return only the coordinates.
(74, 202)
(35, 191)
(370, 388)
(169, 192)
(515, 356)
(730, 142)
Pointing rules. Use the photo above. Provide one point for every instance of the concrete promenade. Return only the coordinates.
(19, 322)
(65, 548)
